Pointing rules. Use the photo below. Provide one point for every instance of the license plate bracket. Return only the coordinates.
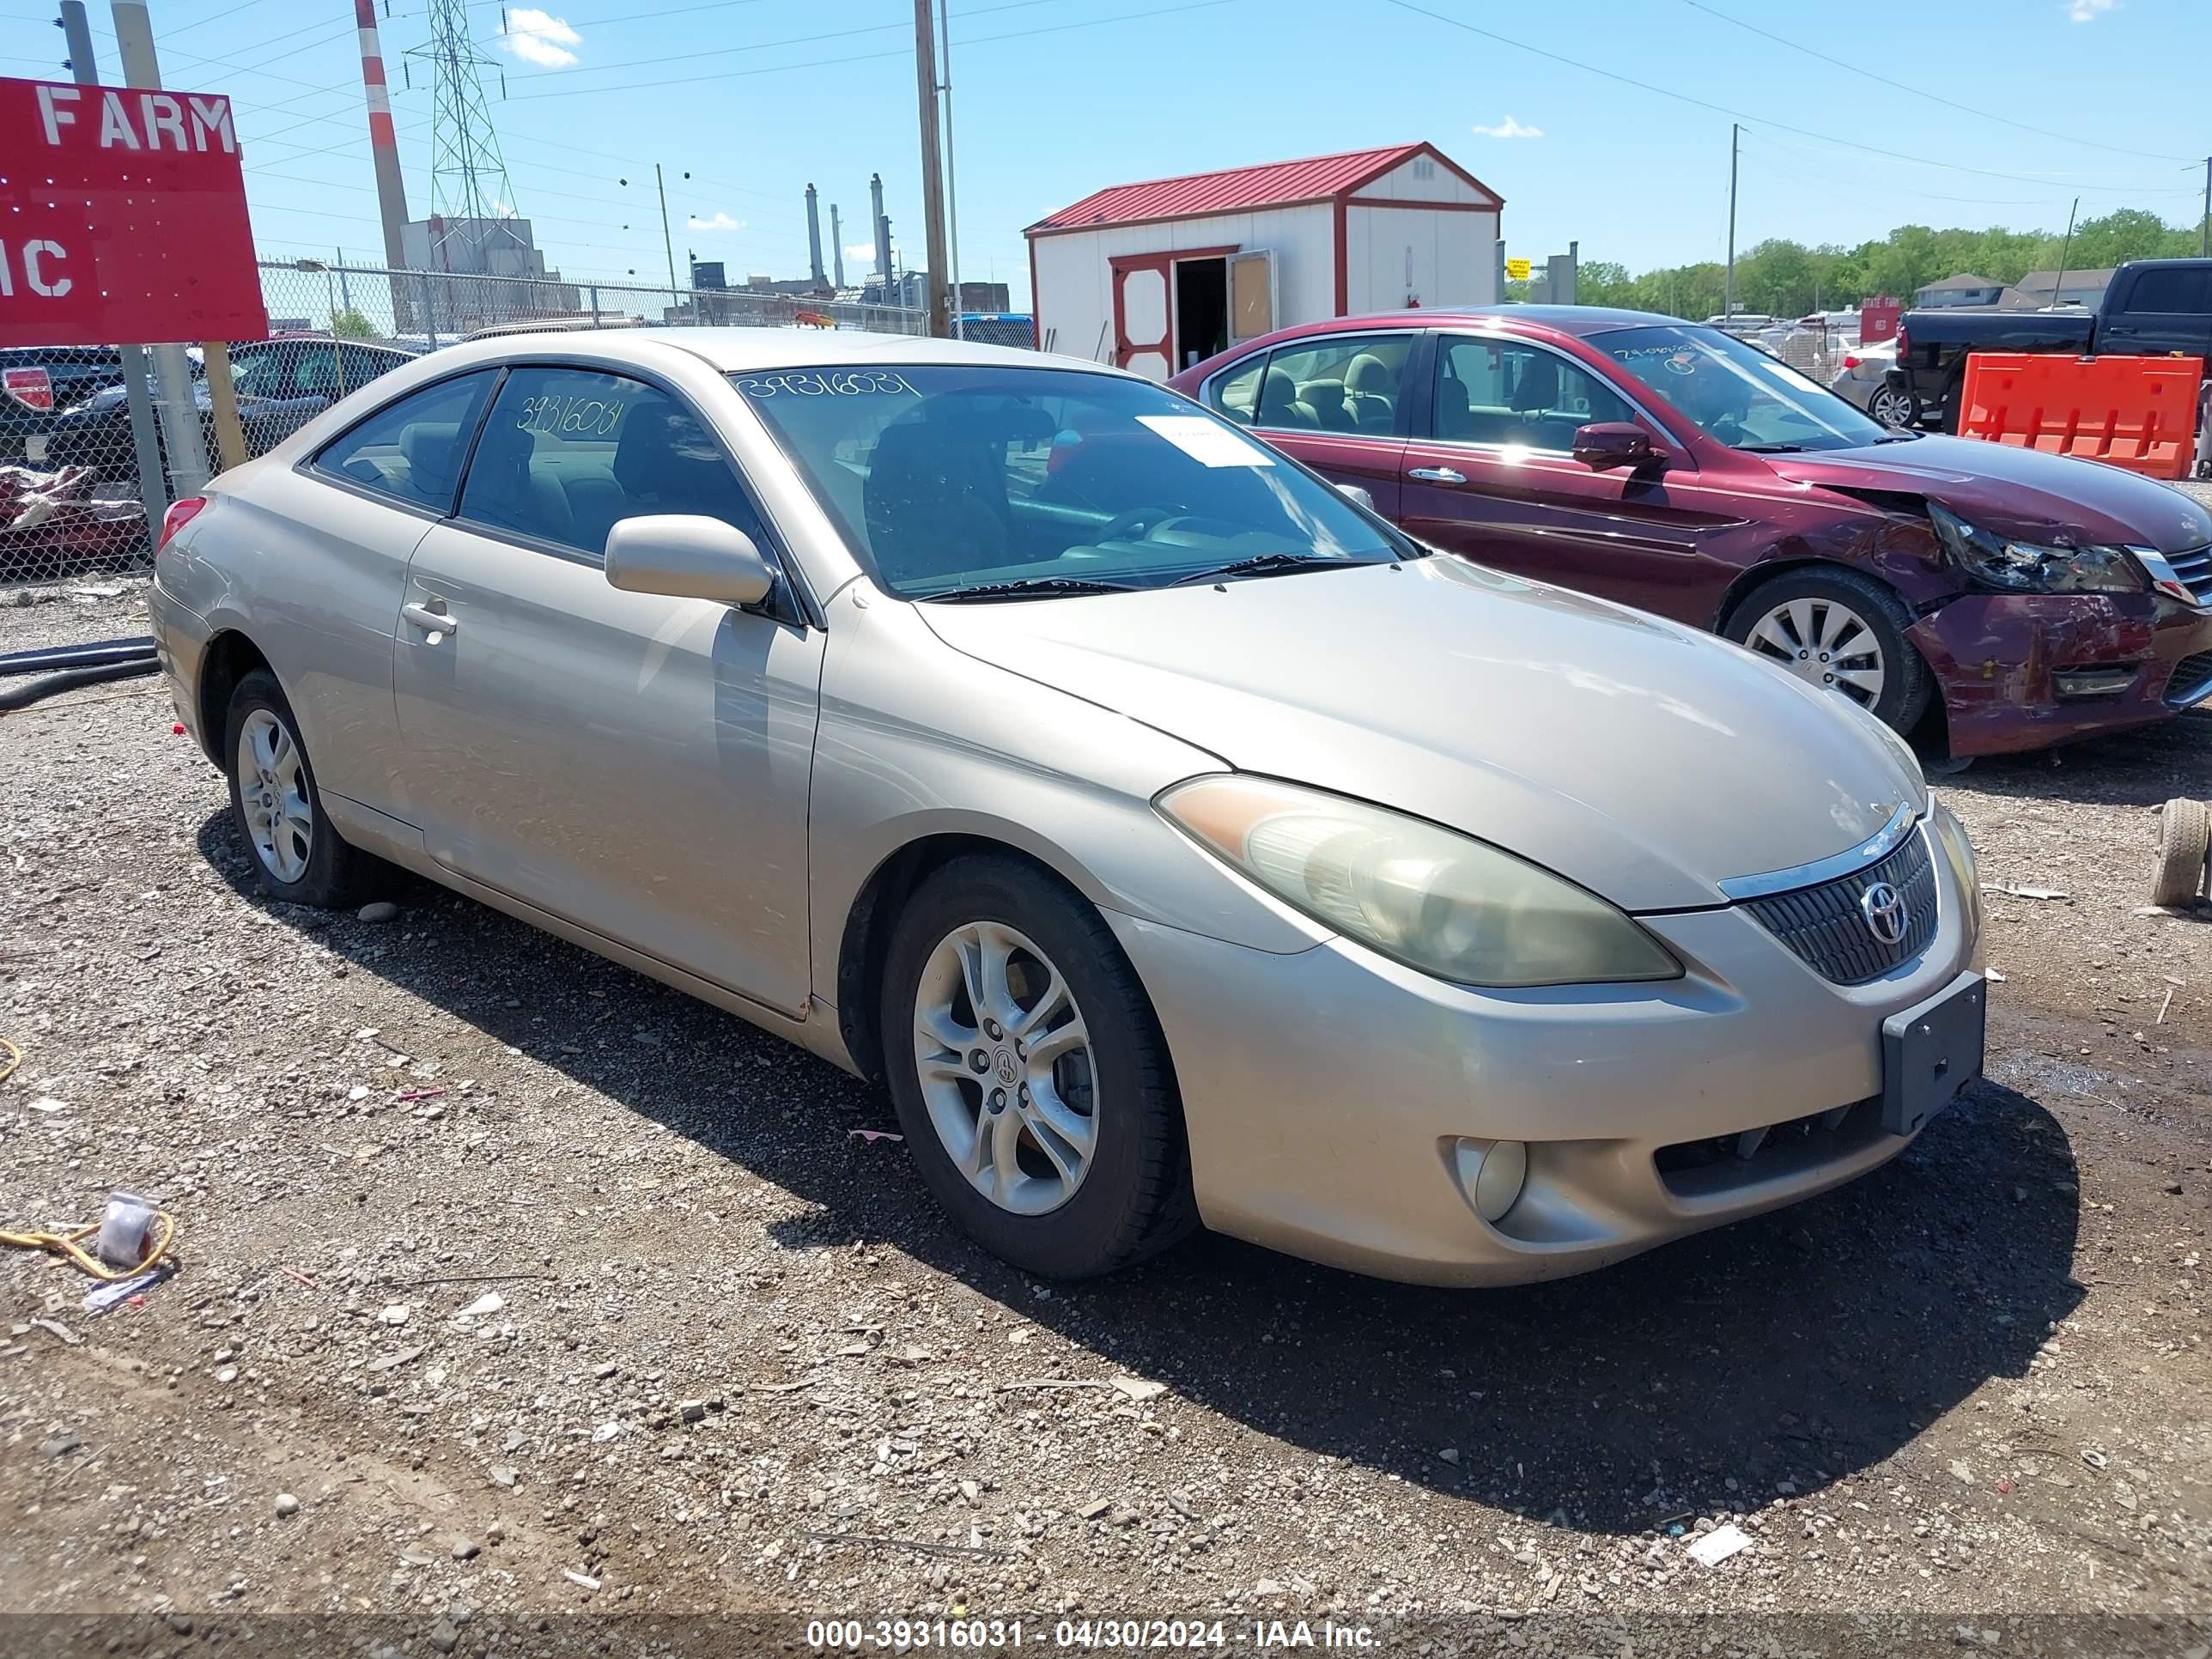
(1930, 1051)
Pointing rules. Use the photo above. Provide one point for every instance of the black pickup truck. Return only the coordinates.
(2153, 308)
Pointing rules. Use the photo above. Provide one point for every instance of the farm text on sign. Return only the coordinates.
(123, 218)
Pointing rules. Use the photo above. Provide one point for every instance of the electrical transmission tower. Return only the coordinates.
(471, 201)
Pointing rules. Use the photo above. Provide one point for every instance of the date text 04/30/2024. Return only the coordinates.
(1132, 1635)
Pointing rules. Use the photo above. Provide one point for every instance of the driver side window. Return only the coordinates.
(1508, 393)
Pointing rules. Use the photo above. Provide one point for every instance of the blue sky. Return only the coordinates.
(1055, 98)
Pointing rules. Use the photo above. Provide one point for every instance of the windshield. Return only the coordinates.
(948, 479)
(1736, 394)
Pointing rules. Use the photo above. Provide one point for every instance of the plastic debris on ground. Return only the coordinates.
(1717, 1546)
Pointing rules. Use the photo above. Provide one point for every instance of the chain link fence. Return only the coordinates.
(72, 457)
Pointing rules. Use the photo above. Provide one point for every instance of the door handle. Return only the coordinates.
(1443, 475)
(432, 623)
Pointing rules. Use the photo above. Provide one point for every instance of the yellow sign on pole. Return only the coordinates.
(1517, 270)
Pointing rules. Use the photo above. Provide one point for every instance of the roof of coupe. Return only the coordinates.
(735, 350)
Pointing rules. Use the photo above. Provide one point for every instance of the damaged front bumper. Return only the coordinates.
(2024, 671)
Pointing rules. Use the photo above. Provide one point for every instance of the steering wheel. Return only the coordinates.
(1726, 429)
(1126, 524)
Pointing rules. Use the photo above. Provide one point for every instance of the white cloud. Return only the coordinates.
(720, 222)
(540, 38)
(1509, 128)
(861, 251)
(2088, 11)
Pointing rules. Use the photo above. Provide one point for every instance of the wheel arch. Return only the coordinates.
(870, 921)
(228, 658)
(1754, 577)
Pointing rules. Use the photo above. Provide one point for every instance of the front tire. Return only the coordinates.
(1029, 1073)
(298, 857)
(1842, 632)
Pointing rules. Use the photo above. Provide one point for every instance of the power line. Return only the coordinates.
(1736, 114)
(868, 57)
(1918, 92)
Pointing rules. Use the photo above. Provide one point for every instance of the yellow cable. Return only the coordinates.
(15, 1058)
(64, 1245)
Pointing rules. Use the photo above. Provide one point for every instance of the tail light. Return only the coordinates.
(1851, 361)
(1903, 345)
(180, 513)
(30, 387)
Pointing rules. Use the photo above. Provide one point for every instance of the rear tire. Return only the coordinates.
(298, 856)
(1787, 620)
(1897, 410)
(1132, 1195)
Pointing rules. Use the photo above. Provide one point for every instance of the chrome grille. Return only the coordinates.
(2191, 681)
(2195, 569)
(1828, 930)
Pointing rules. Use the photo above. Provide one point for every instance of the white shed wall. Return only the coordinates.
(1075, 297)
(1442, 258)
(1407, 183)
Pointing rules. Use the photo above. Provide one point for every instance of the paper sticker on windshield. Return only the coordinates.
(1206, 441)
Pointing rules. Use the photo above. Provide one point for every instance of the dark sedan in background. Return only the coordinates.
(282, 383)
(1978, 597)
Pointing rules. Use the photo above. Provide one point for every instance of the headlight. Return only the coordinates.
(2031, 566)
(1959, 853)
(1432, 899)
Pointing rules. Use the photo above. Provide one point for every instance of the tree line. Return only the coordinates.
(1783, 278)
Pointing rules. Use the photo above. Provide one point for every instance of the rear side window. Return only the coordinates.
(1236, 394)
(411, 451)
(2172, 292)
(1346, 383)
(568, 454)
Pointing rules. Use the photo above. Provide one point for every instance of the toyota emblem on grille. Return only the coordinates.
(1883, 906)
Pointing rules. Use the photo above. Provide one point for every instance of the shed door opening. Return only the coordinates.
(1201, 290)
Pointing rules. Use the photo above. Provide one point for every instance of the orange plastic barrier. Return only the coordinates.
(2136, 412)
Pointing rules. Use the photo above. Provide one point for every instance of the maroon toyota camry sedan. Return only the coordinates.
(1979, 598)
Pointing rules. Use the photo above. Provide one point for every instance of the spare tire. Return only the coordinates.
(2184, 830)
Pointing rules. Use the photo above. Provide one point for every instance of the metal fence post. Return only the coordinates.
(595, 305)
(429, 310)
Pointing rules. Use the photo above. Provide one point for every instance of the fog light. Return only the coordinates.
(1491, 1174)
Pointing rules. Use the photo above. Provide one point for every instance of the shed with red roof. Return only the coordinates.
(1155, 276)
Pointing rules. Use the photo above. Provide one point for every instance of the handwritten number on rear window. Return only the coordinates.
(570, 417)
(818, 382)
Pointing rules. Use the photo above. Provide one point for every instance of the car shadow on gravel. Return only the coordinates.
(1774, 1356)
(2143, 767)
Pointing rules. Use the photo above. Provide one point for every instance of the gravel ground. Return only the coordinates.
(518, 1287)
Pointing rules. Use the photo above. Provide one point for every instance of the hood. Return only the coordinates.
(2022, 492)
(1644, 761)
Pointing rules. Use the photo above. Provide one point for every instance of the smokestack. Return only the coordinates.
(837, 244)
(383, 144)
(882, 226)
(814, 239)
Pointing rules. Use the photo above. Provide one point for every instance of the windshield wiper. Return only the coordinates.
(1770, 449)
(1901, 438)
(1028, 587)
(1266, 565)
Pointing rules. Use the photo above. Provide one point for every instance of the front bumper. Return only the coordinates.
(2028, 670)
(1325, 1092)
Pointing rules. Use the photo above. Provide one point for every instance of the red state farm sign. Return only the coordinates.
(122, 218)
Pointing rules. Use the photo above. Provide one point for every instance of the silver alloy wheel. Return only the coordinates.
(1893, 408)
(1826, 643)
(1005, 1062)
(273, 787)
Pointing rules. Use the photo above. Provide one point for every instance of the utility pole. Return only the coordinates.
(952, 170)
(667, 241)
(2205, 230)
(2064, 248)
(1727, 292)
(153, 488)
(933, 167)
(180, 418)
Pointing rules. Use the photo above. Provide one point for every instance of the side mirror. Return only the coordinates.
(1356, 493)
(1604, 445)
(687, 556)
